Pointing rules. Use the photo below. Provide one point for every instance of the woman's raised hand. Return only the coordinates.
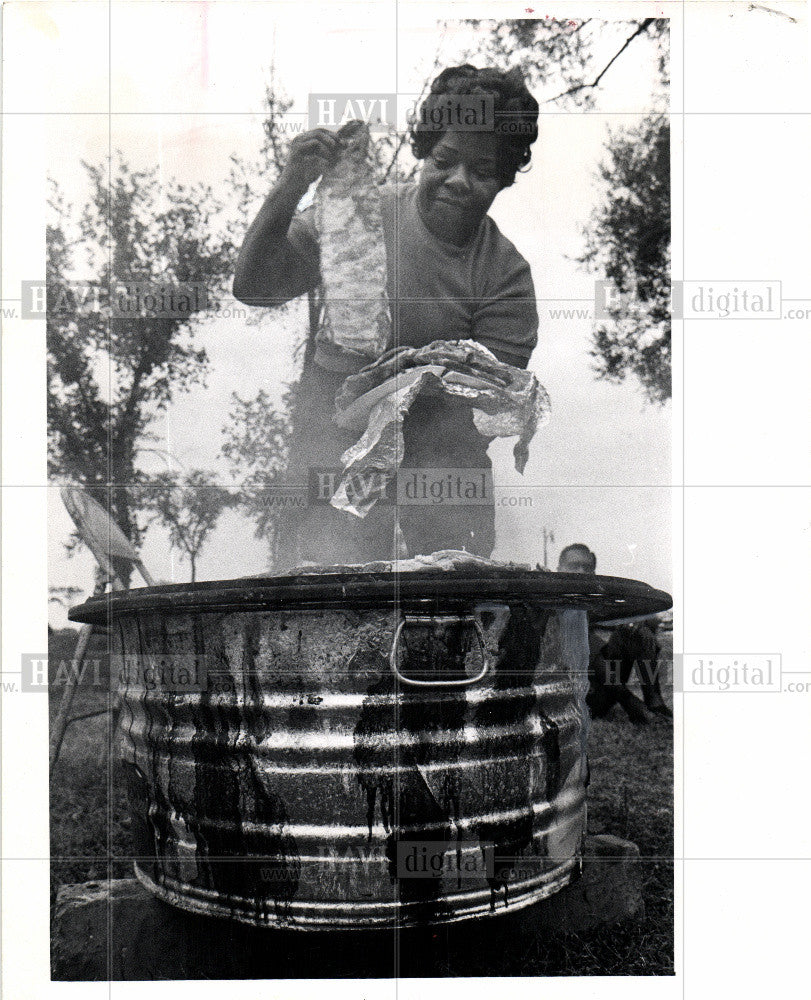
(310, 155)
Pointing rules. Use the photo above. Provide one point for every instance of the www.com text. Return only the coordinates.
(299, 499)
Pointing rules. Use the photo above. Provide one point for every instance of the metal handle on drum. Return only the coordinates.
(440, 620)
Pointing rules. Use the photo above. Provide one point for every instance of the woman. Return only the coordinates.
(451, 276)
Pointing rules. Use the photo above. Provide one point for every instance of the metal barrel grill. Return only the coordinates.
(358, 749)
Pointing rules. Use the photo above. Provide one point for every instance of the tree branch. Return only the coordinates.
(426, 84)
(643, 27)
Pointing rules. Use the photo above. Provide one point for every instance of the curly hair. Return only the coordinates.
(516, 113)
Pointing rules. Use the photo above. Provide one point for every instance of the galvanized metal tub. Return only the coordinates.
(359, 749)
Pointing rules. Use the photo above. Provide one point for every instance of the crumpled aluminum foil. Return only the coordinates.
(506, 401)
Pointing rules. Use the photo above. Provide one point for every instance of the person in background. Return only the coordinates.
(613, 653)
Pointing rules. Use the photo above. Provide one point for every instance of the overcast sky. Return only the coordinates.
(599, 472)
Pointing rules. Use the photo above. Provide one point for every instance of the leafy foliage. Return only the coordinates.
(112, 369)
(628, 236)
(628, 240)
(566, 60)
(190, 509)
(257, 441)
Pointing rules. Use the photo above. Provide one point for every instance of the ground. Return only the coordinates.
(630, 796)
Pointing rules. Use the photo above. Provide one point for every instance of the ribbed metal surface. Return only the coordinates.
(305, 785)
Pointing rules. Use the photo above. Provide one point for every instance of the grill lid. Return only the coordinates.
(442, 582)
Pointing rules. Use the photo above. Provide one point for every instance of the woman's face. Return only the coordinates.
(459, 180)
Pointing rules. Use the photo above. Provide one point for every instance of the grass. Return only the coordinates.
(89, 821)
(630, 796)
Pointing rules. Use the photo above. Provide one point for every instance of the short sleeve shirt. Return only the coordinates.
(437, 291)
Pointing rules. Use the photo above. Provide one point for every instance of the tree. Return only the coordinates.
(190, 509)
(628, 240)
(566, 61)
(256, 436)
(115, 355)
(257, 441)
(628, 235)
